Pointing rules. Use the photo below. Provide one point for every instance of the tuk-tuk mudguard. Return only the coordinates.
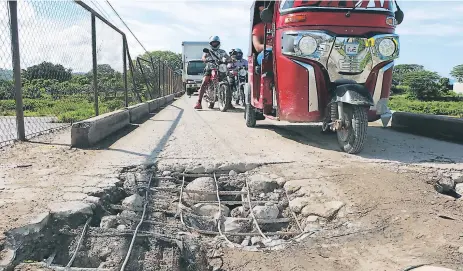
(354, 94)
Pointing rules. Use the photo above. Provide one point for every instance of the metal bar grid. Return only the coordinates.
(251, 204)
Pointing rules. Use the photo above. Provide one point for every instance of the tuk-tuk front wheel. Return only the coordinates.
(353, 135)
(250, 115)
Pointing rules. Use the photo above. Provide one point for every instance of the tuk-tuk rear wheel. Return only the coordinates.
(250, 116)
(352, 138)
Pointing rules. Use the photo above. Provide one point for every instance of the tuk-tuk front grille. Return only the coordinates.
(350, 65)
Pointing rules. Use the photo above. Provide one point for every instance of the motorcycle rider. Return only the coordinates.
(214, 42)
(237, 55)
(238, 62)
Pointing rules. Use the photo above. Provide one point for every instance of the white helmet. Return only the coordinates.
(216, 40)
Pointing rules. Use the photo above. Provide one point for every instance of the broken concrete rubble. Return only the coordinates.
(134, 202)
(108, 222)
(261, 184)
(298, 203)
(327, 210)
(266, 212)
(69, 208)
(201, 184)
(209, 209)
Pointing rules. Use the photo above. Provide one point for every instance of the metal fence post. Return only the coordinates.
(163, 78)
(95, 72)
(18, 95)
(124, 72)
(159, 77)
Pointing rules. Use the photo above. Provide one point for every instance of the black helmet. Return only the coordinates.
(238, 53)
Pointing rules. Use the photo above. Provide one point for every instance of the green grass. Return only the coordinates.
(402, 103)
(70, 109)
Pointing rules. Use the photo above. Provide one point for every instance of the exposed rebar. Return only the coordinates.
(138, 226)
(79, 243)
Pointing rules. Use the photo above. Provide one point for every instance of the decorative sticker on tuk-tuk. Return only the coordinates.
(365, 4)
(351, 48)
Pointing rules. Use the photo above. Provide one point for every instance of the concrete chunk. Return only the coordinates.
(68, 208)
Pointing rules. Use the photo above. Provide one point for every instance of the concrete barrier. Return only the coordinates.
(153, 105)
(138, 111)
(88, 132)
(440, 127)
(170, 98)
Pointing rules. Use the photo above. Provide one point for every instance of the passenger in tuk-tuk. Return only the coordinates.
(258, 35)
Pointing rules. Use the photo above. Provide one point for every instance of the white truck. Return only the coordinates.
(193, 66)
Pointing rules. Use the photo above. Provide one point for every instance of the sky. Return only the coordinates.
(430, 35)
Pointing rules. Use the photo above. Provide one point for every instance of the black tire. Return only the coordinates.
(242, 95)
(189, 92)
(352, 139)
(224, 97)
(250, 116)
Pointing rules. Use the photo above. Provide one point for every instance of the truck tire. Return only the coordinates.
(352, 139)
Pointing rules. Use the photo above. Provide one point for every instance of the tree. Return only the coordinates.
(444, 84)
(173, 59)
(424, 85)
(6, 89)
(47, 70)
(401, 70)
(457, 73)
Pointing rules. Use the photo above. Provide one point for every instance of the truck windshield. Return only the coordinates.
(288, 6)
(195, 67)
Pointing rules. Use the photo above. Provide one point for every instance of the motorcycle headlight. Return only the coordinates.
(242, 72)
(386, 47)
(222, 68)
(307, 45)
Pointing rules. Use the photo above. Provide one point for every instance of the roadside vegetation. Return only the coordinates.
(53, 90)
(417, 90)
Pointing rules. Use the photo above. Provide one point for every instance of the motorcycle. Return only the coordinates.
(218, 89)
(242, 79)
(232, 80)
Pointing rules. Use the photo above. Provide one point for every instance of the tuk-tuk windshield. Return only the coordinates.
(370, 5)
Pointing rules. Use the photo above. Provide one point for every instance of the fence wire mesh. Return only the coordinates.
(110, 68)
(7, 104)
(56, 62)
(55, 45)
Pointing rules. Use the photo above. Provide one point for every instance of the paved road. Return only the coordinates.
(33, 125)
(385, 187)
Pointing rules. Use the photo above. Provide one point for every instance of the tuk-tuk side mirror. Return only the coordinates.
(266, 15)
(399, 16)
(205, 50)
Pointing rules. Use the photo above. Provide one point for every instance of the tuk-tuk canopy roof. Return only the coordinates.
(384, 5)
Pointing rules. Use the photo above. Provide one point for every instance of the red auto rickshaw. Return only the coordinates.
(331, 62)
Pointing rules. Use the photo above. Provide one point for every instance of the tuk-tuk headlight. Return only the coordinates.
(222, 68)
(386, 47)
(242, 72)
(307, 45)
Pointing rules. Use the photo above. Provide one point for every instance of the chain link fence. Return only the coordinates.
(71, 64)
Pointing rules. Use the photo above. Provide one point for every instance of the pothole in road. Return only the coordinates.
(179, 225)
